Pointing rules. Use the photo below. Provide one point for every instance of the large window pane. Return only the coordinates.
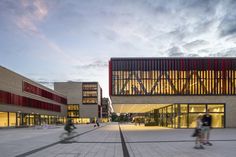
(197, 108)
(183, 108)
(12, 119)
(31, 119)
(217, 120)
(183, 120)
(192, 120)
(3, 119)
(215, 108)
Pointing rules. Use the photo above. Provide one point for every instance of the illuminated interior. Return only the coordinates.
(73, 114)
(185, 115)
(17, 119)
(90, 94)
(173, 77)
(136, 108)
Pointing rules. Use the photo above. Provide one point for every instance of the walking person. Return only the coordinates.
(97, 123)
(206, 127)
(198, 133)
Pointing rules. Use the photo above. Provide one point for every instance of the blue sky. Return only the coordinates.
(72, 40)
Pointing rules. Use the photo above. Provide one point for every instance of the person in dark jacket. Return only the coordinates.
(69, 126)
(97, 123)
(206, 126)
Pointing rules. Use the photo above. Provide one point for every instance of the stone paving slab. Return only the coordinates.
(103, 142)
(21, 140)
(163, 142)
(106, 142)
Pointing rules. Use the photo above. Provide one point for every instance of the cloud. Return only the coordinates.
(174, 52)
(28, 16)
(32, 13)
(195, 44)
(177, 52)
(25, 24)
(231, 52)
(95, 64)
(228, 26)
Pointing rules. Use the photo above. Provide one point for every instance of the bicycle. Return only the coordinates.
(68, 134)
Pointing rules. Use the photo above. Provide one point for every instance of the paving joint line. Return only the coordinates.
(101, 142)
(55, 143)
(170, 141)
(123, 143)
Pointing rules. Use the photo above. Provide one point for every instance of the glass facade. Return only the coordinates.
(184, 115)
(173, 76)
(73, 111)
(90, 93)
(18, 119)
(3, 119)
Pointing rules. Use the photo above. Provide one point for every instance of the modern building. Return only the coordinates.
(83, 98)
(24, 102)
(174, 91)
(106, 110)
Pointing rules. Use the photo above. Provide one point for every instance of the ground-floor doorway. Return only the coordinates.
(184, 115)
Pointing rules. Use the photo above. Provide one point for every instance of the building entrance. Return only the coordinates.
(184, 115)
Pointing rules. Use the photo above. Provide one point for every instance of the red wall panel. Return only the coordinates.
(27, 87)
(9, 98)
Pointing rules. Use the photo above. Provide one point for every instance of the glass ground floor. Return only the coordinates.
(77, 120)
(184, 115)
(16, 119)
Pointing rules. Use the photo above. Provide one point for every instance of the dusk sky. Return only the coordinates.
(73, 40)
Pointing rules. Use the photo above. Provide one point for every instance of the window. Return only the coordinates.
(89, 100)
(27, 87)
(12, 119)
(178, 115)
(215, 108)
(197, 108)
(3, 119)
(90, 95)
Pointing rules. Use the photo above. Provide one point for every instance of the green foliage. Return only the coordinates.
(151, 124)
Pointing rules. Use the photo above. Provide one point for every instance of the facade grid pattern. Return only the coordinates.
(175, 76)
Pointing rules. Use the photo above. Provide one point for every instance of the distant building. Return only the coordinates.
(83, 99)
(106, 110)
(24, 102)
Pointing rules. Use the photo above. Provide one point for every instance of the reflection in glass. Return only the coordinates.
(217, 120)
(215, 108)
(183, 108)
(192, 120)
(197, 108)
(183, 120)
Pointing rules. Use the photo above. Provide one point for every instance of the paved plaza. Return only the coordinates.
(113, 140)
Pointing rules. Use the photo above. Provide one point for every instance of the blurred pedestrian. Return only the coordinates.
(198, 133)
(206, 127)
(97, 123)
(69, 126)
